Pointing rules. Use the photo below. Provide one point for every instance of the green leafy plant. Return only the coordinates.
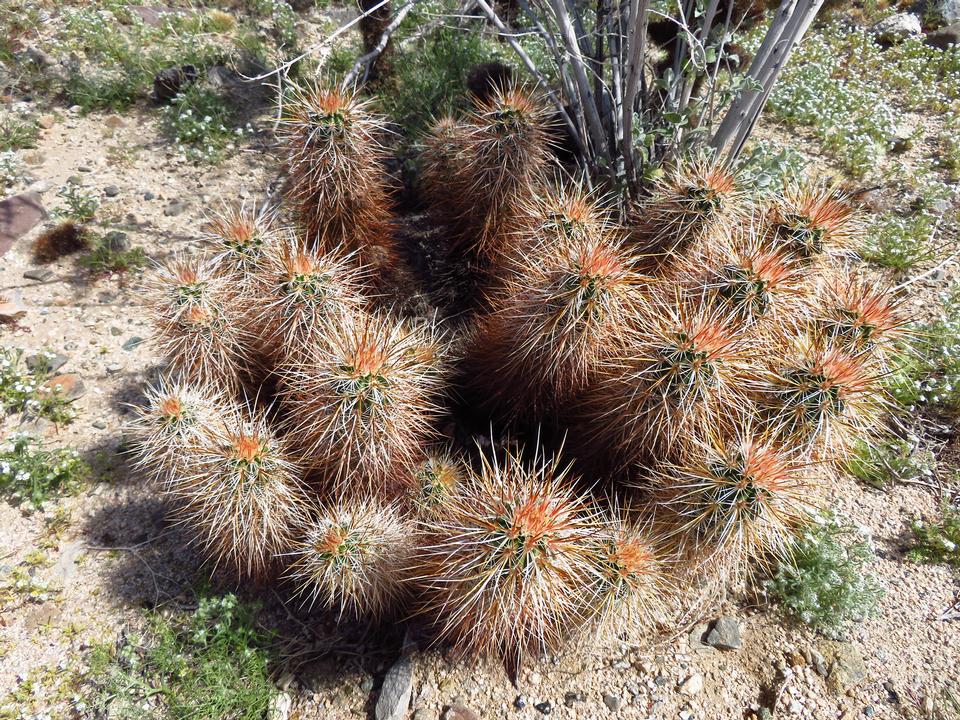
(200, 122)
(211, 663)
(17, 132)
(428, 80)
(106, 257)
(80, 204)
(827, 583)
(28, 391)
(31, 474)
(881, 463)
(899, 243)
(937, 541)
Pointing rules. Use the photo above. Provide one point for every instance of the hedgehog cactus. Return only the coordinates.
(351, 558)
(690, 207)
(736, 500)
(241, 496)
(197, 330)
(336, 184)
(508, 566)
(361, 404)
(709, 362)
(567, 305)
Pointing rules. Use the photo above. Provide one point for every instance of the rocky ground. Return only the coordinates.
(116, 554)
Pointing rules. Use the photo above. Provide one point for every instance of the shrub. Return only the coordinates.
(937, 541)
(31, 474)
(17, 133)
(826, 583)
(211, 663)
(201, 124)
(28, 391)
(80, 204)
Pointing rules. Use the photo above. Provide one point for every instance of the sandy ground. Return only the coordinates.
(907, 650)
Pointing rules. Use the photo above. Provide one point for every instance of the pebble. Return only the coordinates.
(459, 712)
(366, 685)
(394, 696)
(46, 121)
(724, 634)
(114, 330)
(40, 186)
(100, 424)
(111, 191)
(117, 241)
(149, 196)
(132, 343)
(41, 274)
(572, 698)
(544, 708)
(43, 361)
(692, 685)
(612, 702)
(519, 702)
(175, 208)
(113, 368)
(85, 169)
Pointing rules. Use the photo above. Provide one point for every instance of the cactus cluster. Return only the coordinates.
(660, 398)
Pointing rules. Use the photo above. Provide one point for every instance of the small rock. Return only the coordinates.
(149, 195)
(38, 57)
(85, 169)
(692, 685)
(519, 702)
(175, 208)
(132, 342)
(847, 668)
(114, 368)
(114, 330)
(572, 698)
(893, 697)
(18, 215)
(366, 685)
(100, 424)
(394, 696)
(612, 702)
(459, 712)
(544, 708)
(66, 567)
(896, 28)
(423, 714)
(117, 241)
(44, 362)
(11, 306)
(698, 639)
(70, 385)
(947, 11)
(819, 662)
(46, 121)
(114, 121)
(944, 37)
(40, 186)
(40, 274)
(111, 191)
(170, 82)
(869, 711)
(280, 706)
(75, 180)
(725, 633)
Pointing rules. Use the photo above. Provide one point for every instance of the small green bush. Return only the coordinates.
(828, 584)
(18, 132)
(937, 541)
(104, 258)
(201, 123)
(882, 463)
(80, 204)
(23, 390)
(899, 243)
(212, 663)
(429, 80)
(30, 474)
